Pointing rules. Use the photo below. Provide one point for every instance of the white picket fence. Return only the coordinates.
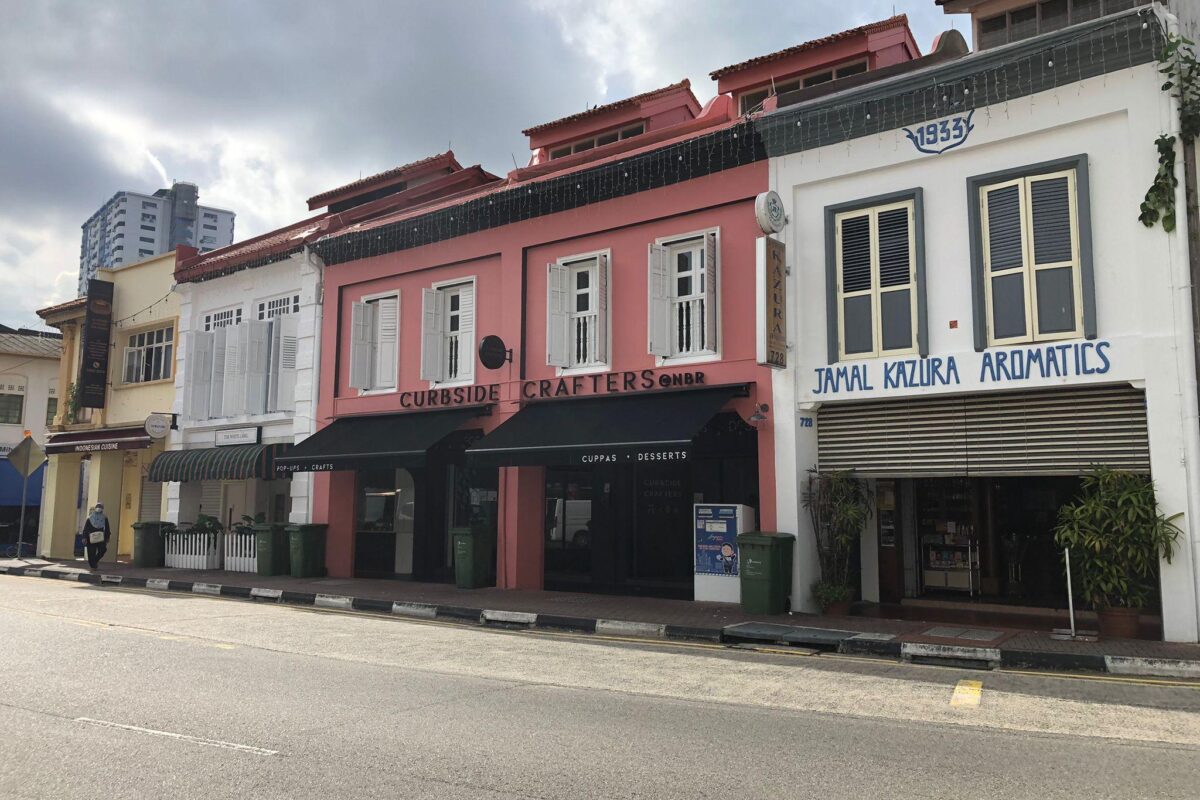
(241, 552)
(192, 551)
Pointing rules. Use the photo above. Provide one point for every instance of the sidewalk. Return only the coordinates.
(966, 645)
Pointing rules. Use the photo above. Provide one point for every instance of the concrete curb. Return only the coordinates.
(866, 643)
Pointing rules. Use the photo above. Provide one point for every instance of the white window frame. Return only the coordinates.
(1028, 268)
(672, 244)
(444, 289)
(292, 306)
(168, 360)
(211, 321)
(877, 290)
(574, 264)
(375, 298)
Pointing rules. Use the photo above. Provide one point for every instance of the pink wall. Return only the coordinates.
(625, 226)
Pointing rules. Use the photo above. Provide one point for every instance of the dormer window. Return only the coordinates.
(598, 140)
(751, 100)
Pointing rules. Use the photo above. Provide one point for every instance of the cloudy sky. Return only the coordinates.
(263, 103)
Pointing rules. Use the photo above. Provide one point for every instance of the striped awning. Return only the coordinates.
(217, 463)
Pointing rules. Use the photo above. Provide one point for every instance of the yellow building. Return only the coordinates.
(102, 454)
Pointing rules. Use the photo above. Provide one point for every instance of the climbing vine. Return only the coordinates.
(1181, 68)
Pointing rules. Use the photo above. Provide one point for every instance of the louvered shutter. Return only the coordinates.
(216, 403)
(257, 357)
(236, 341)
(287, 345)
(896, 307)
(362, 329)
(1050, 202)
(1006, 244)
(431, 335)
(210, 499)
(856, 313)
(1046, 432)
(198, 367)
(466, 337)
(150, 501)
(1005, 264)
(712, 292)
(602, 308)
(387, 323)
(658, 317)
(558, 345)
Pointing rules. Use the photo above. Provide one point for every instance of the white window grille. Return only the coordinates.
(221, 319)
(149, 355)
(288, 304)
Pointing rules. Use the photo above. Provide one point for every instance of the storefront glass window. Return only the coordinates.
(377, 500)
(568, 522)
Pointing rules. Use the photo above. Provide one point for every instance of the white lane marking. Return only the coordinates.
(242, 748)
(967, 694)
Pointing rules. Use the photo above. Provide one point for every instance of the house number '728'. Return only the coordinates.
(804, 422)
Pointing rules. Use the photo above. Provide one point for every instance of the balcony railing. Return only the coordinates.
(583, 330)
(689, 320)
(455, 346)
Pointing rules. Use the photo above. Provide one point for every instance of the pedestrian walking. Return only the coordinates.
(95, 535)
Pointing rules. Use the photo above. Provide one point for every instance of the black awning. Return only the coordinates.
(653, 427)
(234, 463)
(386, 440)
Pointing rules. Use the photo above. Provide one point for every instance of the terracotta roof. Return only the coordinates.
(282, 241)
(318, 200)
(593, 112)
(900, 20)
(78, 302)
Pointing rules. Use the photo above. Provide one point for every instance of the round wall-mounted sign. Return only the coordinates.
(492, 352)
(158, 425)
(768, 210)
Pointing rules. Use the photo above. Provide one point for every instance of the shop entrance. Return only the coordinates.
(972, 539)
(627, 528)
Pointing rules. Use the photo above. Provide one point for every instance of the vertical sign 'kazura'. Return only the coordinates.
(771, 301)
(97, 324)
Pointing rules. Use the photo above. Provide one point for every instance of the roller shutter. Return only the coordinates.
(1045, 432)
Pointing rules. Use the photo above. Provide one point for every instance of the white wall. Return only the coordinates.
(40, 375)
(300, 274)
(1143, 304)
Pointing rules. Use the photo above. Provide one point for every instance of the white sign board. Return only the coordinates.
(235, 436)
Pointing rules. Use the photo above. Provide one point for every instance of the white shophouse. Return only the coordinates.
(977, 316)
(245, 387)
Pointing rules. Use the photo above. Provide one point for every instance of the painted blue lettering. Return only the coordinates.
(1100, 348)
(1002, 365)
(1016, 360)
(951, 370)
(1035, 357)
(889, 375)
(1083, 362)
(988, 366)
(841, 378)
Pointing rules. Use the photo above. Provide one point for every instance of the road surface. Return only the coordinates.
(121, 693)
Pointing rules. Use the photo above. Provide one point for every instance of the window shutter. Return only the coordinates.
(257, 341)
(558, 345)
(602, 308)
(711, 292)
(216, 403)
(362, 328)
(466, 327)
(1050, 201)
(895, 256)
(856, 253)
(387, 321)
(287, 344)
(234, 402)
(658, 320)
(431, 335)
(1006, 248)
(131, 370)
(199, 365)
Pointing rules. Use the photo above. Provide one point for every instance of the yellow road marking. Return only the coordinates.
(967, 694)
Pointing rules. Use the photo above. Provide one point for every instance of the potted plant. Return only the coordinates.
(840, 505)
(1116, 536)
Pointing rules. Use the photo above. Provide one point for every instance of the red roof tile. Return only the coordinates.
(70, 305)
(218, 262)
(593, 112)
(897, 21)
(318, 200)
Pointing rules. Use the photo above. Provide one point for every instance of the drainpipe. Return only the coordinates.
(1188, 329)
(318, 266)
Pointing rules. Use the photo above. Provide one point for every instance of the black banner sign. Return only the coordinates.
(97, 325)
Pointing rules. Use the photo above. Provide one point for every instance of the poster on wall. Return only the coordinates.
(716, 540)
(93, 345)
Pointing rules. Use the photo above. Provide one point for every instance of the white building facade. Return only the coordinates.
(245, 390)
(132, 226)
(980, 316)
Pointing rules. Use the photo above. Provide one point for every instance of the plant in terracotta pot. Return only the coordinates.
(1116, 536)
(840, 505)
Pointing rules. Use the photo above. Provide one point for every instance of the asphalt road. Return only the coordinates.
(115, 693)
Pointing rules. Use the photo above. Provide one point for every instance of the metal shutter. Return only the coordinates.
(210, 499)
(1046, 432)
(150, 503)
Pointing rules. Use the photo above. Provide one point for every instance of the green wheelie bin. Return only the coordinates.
(474, 556)
(306, 546)
(148, 547)
(273, 548)
(766, 570)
